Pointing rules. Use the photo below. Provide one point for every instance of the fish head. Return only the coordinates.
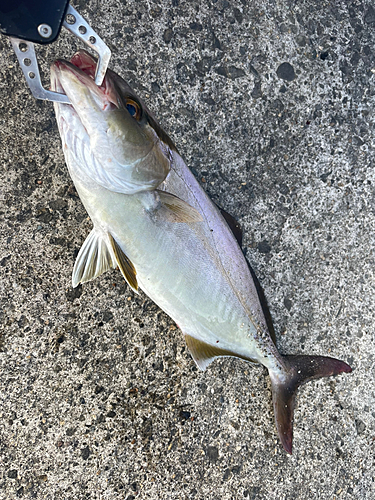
(106, 131)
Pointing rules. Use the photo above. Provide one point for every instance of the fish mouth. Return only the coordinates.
(83, 66)
(85, 62)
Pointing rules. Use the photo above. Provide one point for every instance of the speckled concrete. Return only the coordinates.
(271, 103)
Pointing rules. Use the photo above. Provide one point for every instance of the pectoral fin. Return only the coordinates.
(124, 263)
(94, 258)
(203, 353)
(173, 209)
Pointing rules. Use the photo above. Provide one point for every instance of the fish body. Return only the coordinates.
(152, 219)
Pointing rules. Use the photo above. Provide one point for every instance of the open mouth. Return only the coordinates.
(83, 66)
(86, 63)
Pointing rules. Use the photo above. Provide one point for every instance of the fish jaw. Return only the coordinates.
(119, 151)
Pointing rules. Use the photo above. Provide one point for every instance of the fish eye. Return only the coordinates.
(133, 108)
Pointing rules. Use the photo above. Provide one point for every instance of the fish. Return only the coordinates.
(153, 221)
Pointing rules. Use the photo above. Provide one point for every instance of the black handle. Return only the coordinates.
(37, 21)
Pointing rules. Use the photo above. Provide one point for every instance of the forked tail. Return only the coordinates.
(301, 370)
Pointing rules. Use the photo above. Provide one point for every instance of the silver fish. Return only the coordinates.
(152, 219)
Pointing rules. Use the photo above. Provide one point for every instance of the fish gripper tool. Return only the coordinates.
(29, 22)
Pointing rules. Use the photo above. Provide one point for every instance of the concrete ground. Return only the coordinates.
(271, 104)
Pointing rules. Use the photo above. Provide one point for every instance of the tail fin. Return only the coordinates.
(301, 370)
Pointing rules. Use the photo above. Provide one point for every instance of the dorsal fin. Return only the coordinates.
(237, 233)
(94, 258)
(233, 224)
(203, 353)
(124, 263)
(264, 304)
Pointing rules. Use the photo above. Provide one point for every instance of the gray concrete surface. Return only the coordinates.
(271, 103)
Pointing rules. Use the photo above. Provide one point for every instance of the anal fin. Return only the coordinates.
(203, 353)
(124, 263)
